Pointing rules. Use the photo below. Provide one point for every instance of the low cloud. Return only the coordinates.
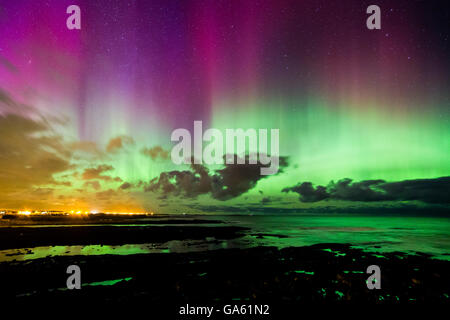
(125, 185)
(426, 190)
(156, 152)
(308, 193)
(119, 143)
(97, 173)
(266, 200)
(227, 183)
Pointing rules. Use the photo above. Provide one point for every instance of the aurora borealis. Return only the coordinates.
(86, 115)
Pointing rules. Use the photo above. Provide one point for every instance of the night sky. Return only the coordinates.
(86, 115)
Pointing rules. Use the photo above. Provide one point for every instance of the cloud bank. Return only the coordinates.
(227, 183)
(435, 191)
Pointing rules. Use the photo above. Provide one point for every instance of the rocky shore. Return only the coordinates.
(294, 276)
(325, 273)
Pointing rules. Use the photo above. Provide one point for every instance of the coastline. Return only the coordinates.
(319, 273)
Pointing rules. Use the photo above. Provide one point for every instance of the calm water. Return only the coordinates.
(372, 233)
(390, 233)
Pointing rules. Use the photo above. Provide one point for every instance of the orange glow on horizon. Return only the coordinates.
(74, 212)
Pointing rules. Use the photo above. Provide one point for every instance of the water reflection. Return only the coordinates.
(370, 233)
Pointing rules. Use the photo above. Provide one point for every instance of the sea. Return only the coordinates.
(369, 232)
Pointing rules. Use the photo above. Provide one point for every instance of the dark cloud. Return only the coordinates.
(118, 143)
(308, 193)
(98, 173)
(155, 153)
(266, 200)
(140, 183)
(229, 182)
(425, 190)
(125, 186)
